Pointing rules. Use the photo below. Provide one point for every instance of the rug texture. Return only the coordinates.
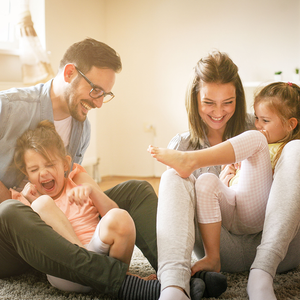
(34, 285)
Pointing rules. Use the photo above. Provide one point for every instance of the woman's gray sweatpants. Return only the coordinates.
(276, 249)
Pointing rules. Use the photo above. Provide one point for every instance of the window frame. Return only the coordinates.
(11, 45)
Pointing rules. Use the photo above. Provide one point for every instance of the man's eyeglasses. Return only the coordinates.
(97, 92)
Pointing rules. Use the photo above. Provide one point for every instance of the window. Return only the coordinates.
(8, 33)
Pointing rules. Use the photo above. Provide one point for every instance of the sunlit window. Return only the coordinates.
(8, 33)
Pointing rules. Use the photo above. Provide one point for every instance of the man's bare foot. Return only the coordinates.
(150, 277)
(206, 264)
(178, 160)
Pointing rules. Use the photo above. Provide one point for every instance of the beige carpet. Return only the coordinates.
(35, 286)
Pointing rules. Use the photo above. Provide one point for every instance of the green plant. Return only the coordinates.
(297, 71)
(278, 72)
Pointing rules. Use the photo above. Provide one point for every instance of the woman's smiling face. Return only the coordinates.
(216, 104)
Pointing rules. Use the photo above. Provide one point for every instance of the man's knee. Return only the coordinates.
(140, 185)
(10, 211)
(9, 207)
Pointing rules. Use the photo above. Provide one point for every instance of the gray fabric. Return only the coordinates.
(282, 216)
(175, 229)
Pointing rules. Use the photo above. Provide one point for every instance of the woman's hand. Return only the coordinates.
(80, 194)
(30, 192)
(227, 173)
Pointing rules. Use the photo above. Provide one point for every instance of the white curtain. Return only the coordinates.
(34, 59)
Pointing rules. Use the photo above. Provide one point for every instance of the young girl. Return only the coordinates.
(71, 204)
(240, 208)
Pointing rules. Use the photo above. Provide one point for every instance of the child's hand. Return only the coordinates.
(227, 173)
(266, 134)
(30, 192)
(79, 194)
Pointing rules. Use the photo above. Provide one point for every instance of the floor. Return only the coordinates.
(110, 181)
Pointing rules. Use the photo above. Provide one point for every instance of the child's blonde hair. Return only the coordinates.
(43, 140)
(284, 100)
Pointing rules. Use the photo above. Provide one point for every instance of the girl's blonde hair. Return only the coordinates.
(284, 100)
(43, 140)
(217, 67)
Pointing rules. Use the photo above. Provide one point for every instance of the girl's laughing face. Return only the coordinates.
(48, 176)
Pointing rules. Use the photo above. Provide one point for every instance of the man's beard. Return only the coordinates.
(73, 103)
(75, 109)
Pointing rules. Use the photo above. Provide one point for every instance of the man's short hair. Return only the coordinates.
(89, 53)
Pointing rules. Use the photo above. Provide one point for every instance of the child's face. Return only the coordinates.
(47, 176)
(268, 120)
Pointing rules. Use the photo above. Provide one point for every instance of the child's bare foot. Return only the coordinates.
(178, 160)
(206, 264)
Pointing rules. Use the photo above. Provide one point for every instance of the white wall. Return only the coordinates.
(70, 21)
(159, 42)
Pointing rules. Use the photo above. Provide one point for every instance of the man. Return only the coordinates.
(84, 81)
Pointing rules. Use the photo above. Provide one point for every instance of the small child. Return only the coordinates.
(71, 203)
(241, 207)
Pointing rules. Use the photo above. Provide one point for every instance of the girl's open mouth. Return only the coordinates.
(49, 185)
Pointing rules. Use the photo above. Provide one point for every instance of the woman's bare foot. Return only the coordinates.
(206, 264)
(178, 160)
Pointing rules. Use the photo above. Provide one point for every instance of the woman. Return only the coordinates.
(216, 110)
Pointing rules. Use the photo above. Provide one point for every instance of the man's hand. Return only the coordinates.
(30, 192)
(80, 194)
